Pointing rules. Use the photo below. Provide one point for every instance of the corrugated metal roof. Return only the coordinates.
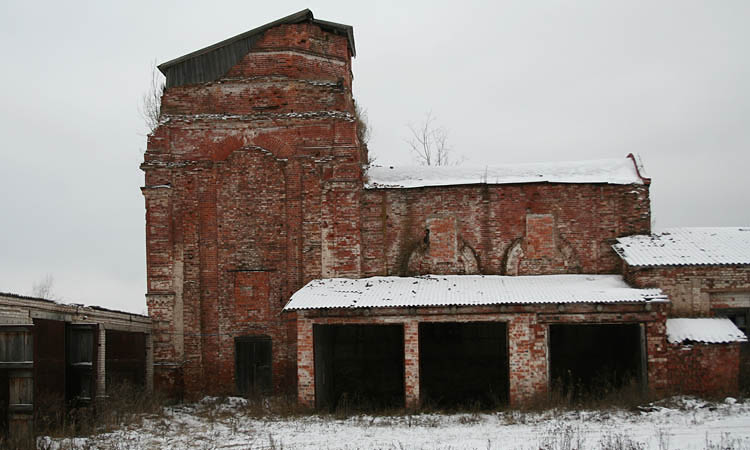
(687, 247)
(706, 330)
(466, 290)
(610, 171)
(212, 62)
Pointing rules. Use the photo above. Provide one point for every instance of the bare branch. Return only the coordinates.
(429, 143)
(150, 107)
(364, 132)
(43, 288)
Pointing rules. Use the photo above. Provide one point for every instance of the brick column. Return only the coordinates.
(101, 363)
(305, 363)
(149, 363)
(411, 363)
(527, 349)
(656, 354)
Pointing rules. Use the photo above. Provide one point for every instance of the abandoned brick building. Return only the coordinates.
(278, 261)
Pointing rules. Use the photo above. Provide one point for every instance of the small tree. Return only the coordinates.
(150, 107)
(43, 288)
(429, 143)
(363, 133)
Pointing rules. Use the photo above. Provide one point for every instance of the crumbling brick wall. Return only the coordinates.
(512, 229)
(250, 180)
(695, 290)
(704, 369)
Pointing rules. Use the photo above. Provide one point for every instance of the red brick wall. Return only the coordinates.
(250, 180)
(704, 369)
(695, 290)
(555, 228)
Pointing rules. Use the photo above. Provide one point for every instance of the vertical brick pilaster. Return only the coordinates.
(411, 363)
(101, 363)
(149, 362)
(443, 238)
(305, 363)
(656, 351)
(527, 359)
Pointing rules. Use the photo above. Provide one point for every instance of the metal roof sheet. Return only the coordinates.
(212, 62)
(687, 247)
(466, 290)
(610, 171)
(706, 330)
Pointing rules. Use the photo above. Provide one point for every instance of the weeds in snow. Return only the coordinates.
(562, 437)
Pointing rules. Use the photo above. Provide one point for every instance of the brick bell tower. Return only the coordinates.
(252, 188)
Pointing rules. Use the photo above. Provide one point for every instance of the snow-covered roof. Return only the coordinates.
(466, 290)
(611, 171)
(707, 330)
(687, 247)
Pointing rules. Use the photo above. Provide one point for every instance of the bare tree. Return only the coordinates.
(150, 107)
(429, 143)
(43, 288)
(363, 133)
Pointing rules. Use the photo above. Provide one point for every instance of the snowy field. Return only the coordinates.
(678, 423)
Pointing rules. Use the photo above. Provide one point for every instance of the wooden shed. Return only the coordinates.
(53, 353)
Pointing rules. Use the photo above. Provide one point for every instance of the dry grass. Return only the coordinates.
(124, 404)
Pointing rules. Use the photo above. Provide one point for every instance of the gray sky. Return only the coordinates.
(512, 81)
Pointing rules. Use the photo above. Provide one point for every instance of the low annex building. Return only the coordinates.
(473, 339)
(703, 355)
(279, 261)
(54, 355)
(704, 271)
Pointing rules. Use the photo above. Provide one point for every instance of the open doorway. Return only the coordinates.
(741, 318)
(359, 366)
(463, 364)
(592, 361)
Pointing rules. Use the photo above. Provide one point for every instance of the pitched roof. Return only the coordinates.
(687, 247)
(466, 290)
(610, 171)
(706, 330)
(210, 63)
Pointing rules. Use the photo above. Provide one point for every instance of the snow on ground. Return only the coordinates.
(679, 423)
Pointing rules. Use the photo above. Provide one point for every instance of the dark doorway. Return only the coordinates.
(359, 366)
(741, 318)
(253, 365)
(81, 359)
(4, 402)
(592, 361)
(125, 363)
(463, 364)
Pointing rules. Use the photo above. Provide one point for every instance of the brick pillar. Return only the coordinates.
(656, 354)
(305, 363)
(411, 363)
(149, 363)
(101, 363)
(527, 348)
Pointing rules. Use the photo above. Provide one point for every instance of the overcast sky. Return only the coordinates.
(512, 82)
